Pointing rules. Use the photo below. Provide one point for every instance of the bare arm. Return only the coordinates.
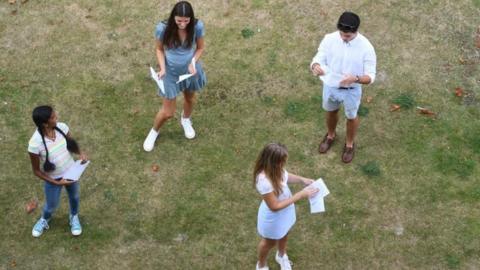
(35, 160)
(160, 53)
(350, 79)
(292, 178)
(200, 48)
(198, 53)
(274, 204)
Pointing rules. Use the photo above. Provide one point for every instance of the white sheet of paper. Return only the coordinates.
(188, 75)
(184, 77)
(157, 80)
(76, 170)
(317, 204)
(332, 79)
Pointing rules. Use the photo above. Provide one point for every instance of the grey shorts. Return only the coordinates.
(333, 97)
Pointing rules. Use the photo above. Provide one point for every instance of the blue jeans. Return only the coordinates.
(52, 195)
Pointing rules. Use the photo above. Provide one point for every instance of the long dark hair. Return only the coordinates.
(271, 161)
(40, 116)
(171, 38)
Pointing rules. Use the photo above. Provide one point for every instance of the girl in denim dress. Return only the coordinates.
(178, 41)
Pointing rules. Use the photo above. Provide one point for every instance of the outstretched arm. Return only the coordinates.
(292, 178)
(274, 204)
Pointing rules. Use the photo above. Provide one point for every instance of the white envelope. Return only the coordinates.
(159, 81)
(317, 204)
(332, 79)
(188, 75)
(75, 171)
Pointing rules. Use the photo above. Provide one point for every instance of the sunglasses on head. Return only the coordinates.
(346, 27)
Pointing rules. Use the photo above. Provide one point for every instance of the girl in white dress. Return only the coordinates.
(276, 214)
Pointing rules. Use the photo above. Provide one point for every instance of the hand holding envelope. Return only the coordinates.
(188, 75)
(332, 79)
(76, 170)
(158, 80)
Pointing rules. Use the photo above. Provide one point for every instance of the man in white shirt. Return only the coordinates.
(345, 60)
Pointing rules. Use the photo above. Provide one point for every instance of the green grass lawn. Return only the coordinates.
(409, 200)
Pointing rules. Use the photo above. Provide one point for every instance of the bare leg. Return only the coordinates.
(166, 112)
(282, 246)
(332, 120)
(263, 248)
(352, 126)
(189, 99)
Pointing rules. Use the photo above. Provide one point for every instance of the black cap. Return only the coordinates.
(348, 22)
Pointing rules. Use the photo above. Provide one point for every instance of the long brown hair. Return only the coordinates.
(171, 37)
(271, 161)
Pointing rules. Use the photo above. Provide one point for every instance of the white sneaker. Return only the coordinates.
(262, 268)
(187, 128)
(150, 140)
(285, 263)
(75, 226)
(39, 227)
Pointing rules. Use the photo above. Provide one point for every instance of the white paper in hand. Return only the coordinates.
(188, 75)
(317, 204)
(157, 80)
(76, 170)
(332, 79)
(183, 77)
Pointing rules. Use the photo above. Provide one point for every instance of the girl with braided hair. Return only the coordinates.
(50, 149)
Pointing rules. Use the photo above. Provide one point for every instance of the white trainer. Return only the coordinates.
(150, 140)
(187, 128)
(261, 268)
(40, 226)
(285, 263)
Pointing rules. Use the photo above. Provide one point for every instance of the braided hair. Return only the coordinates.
(41, 115)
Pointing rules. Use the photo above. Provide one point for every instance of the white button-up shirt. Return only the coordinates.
(356, 57)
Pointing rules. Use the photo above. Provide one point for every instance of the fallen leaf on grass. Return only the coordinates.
(369, 99)
(477, 38)
(11, 2)
(13, 12)
(394, 107)
(458, 92)
(13, 264)
(425, 111)
(155, 168)
(31, 206)
(24, 1)
(462, 61)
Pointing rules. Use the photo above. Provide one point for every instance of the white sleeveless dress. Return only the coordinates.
(270, 224)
